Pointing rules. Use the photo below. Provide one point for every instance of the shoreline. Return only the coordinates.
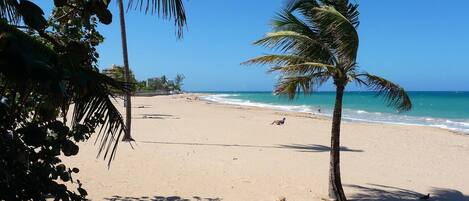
(328, 117)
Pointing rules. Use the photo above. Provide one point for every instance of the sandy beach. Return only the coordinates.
(191, 149)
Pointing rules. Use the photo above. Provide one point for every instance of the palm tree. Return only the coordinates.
(165, 8)
(318, 41)
(178, 81)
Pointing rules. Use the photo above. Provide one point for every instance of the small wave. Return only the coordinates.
(458, 123)
(228, 99)
(351, 114)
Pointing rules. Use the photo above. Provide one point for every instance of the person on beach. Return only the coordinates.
(279, 122)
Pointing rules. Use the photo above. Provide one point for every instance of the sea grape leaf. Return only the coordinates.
(105, 17)
(100, 8)
(33, 16)
(60, 3)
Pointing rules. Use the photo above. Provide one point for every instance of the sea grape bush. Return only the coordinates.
(48, 68)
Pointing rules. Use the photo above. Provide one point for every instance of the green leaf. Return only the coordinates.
(65, 176)
(82, 192)
(59, 3)
(99, 7)
(32, 15)
(106, 2)
(75, 170)
(60, 168)
(69, 148)
(105, 17)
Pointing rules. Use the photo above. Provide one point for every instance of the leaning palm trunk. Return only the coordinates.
(336, 191)
(128, 104)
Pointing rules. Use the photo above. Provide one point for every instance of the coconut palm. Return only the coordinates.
(318, 41)
(166, 9)
(178, 81)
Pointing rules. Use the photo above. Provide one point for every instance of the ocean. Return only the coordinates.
(447, 110)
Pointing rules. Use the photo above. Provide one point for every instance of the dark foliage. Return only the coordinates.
(45, 68)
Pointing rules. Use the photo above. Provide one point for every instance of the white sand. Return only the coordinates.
(206, 151)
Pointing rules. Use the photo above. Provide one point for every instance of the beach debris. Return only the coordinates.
(425, 197)
(235, 158)
(282, 199)
(192, 98)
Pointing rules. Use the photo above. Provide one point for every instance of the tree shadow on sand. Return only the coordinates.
(298, 147)
(160, 198)
(375, 192)
(315, 148)
(155, 116)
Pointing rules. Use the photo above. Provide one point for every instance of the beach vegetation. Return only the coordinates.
(156, 84)
(118, 73)
(164, 84)
(52, 97)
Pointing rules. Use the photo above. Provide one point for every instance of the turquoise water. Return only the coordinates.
(449, 110)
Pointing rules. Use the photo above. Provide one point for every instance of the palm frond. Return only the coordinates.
(304, 68)
(303, 6)
(304, 9)
(393, 93)
(353, 14)
(293, 85)
(168, 9)
(297, 44)
(343, 35)
(290, 86)
(287, 21)
(276, 59)
(96, 102)
(347, 9)
(8, 11)
(286, 41)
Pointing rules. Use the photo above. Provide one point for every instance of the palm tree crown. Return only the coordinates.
(319, 41)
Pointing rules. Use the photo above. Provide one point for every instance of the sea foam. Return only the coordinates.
(350, 114)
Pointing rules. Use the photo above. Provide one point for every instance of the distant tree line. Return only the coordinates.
(163, 84)
(151, 84)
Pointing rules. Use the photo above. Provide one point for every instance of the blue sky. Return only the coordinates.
(420, 44)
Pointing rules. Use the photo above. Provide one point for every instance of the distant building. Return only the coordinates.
(110, 72)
